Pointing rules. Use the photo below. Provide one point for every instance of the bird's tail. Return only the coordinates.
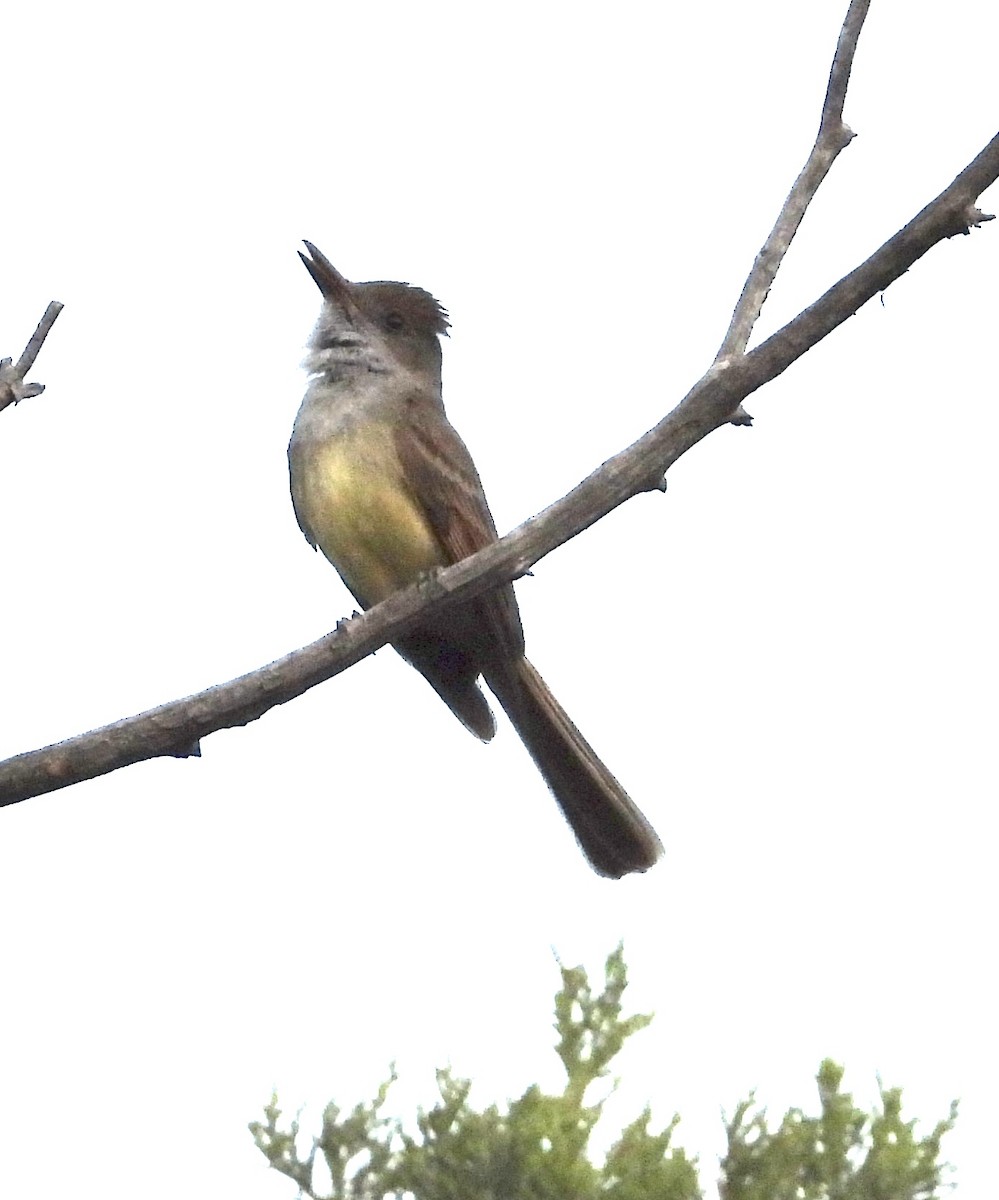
(613, 833)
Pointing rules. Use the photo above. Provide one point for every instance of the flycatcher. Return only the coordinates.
(385, 487)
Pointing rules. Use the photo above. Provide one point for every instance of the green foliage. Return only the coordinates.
(537, 1147)
(842, 1154)
(590, 1029)
(356, 1149)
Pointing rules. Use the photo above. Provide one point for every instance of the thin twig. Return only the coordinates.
(27, 359)
(833, 136)
(176, 728)
(12, 385)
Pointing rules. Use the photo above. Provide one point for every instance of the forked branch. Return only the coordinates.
(12, 386)
(176, 728)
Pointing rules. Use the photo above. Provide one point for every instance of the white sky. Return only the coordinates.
(789, 658)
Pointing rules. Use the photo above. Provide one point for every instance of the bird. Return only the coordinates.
(383, 485)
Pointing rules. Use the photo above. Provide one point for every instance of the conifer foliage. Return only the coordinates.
(537, 1147)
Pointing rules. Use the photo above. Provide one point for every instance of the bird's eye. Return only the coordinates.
(394, 322)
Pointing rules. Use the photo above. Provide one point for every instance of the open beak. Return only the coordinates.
(330, 282)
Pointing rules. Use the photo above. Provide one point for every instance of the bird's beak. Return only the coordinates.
(330, 282)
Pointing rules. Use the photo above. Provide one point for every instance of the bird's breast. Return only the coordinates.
(353, 501)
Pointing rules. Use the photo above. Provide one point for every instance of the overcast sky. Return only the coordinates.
(789, 658)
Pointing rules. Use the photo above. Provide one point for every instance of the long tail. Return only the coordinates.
(613, 833)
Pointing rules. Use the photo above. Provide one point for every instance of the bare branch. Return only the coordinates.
(839, 74)
(12, 385)
(833, 136)
(176, 728)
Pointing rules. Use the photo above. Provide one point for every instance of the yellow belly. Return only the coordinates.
(351, 497)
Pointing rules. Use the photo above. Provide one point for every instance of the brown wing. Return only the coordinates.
(439, 469)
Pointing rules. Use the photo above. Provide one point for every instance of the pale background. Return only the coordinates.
(789, 658)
